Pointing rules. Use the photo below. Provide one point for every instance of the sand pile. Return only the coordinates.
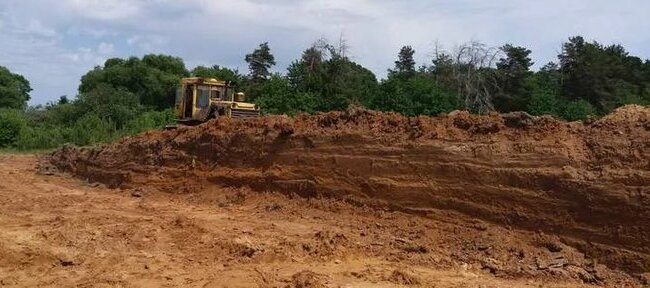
(589, 182)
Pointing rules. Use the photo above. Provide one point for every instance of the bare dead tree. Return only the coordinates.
(329, 50)
(343, 47)
(438, 50)
(474, 77)
(443, 64)
(323, 46)
(316, 54)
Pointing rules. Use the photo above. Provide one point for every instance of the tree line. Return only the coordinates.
(127, 96)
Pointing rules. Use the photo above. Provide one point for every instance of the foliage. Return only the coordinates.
(543, 101)
(418, 95)
(63, 114)
(218, 72)
(513, 72)
(405, 65)
(604, 76)
(345, 83)
(577, 110)
(278, 97)
(333, 79)
(147, 121)
(91, 129)
(11, 125)
(129, 96)
(107, 102)
(153, 78)
(14, 90)
(469, 72)
(42, 137)
(260, 62)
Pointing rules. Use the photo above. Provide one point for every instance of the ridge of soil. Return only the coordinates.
(577, 191)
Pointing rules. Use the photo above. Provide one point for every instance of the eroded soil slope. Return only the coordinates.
(588, 184)
(56, 231)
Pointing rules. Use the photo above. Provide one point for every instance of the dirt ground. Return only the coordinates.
(354, 198)
(57, 231)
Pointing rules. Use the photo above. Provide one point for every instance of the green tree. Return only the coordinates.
(345, 83)
(153, 79)
(332, 78)
(418, 95)
(513, 71)
(412, 92)
(218, 72)
(14, 90)
(64, 114)
(117, 105)
(278, 97)
(405, 64)
(165, 63)
(577, 110)
(394, 97)
(63, 100)
(604, 76)
(260, 62)
(306, 74)
(430, 99)
(543, 98)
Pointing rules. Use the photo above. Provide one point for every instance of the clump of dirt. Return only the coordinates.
(588, 184)
(307, 279)
(403, 278)
(326, 244)
(628, 114)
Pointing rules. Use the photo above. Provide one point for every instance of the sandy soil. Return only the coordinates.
(342, 199)
(57, 231)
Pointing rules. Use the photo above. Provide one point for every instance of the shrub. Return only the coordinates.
(577, 110)
(12, 122)
(34, 138)
(149, 120)
(91, 129)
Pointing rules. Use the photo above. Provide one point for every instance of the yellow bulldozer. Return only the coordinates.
(201, 99)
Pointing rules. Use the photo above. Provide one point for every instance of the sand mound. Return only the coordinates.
(587, 182)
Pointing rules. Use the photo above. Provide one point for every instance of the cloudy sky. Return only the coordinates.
(54, 42)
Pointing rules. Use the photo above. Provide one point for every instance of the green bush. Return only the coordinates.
(91, 129)
(149, 120)
(12, 122)
(278, 97)
(35, 138)
(417, 95)
(64, 114)
(577, 110)
(543, 103)
(108, 102)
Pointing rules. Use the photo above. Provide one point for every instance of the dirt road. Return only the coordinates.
(57, 231)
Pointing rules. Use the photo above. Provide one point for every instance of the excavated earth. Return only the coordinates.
(514, 196)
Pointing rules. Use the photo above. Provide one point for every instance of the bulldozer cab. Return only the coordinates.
(194, 97)
(201, 99)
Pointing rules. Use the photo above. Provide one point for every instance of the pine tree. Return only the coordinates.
(405, 65)
(259, 63)
(513, 71)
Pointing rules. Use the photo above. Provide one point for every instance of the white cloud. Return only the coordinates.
(105, 48)
(36, 28)
(147, 43)
(105, 10)
(92, 56)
